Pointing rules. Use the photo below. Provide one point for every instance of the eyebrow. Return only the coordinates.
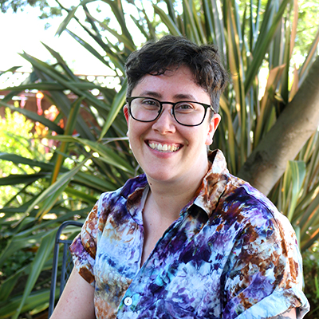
(151, 93)
(176, 96)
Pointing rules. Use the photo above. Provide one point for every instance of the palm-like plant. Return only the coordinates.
(97, 158)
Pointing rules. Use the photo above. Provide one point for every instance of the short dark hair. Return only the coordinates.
(171, 52)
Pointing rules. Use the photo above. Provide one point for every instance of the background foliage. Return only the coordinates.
(16, 137)
(256, 41)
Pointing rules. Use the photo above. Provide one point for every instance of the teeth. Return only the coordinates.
(164, 147)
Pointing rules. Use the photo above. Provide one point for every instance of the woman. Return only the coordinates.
(186, 239)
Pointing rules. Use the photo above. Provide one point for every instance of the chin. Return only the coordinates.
(160, 176)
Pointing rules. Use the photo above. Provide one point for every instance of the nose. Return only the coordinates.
(165, 122)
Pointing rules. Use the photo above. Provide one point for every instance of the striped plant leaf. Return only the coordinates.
(53, 191)
(66, 21)
(298, 172)
(116, 106)
(167, 21)
(44, 251)
(68, 131)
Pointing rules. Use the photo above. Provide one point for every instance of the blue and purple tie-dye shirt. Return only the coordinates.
(230, 254)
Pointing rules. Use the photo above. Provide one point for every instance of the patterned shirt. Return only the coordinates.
(230, 254)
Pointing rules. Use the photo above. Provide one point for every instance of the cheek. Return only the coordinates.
(131, 125)
(200, 135)
(136, 131)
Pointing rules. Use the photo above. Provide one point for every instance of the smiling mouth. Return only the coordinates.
(169, 148)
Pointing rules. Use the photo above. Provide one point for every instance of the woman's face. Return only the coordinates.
(166, 150)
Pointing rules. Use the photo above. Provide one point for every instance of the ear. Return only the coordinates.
(126, 113)
(212, 126)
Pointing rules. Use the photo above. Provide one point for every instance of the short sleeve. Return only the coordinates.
(83, 248)
(264, 276)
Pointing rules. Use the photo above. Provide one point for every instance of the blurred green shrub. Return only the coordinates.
(311, 277)
(17, 137)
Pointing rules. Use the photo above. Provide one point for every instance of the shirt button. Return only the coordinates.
(128, 301)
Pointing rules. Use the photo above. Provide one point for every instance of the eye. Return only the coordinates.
(184, 107)
(149, 103)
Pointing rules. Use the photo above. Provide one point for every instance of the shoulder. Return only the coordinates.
(247, 203)
(260, 227)
(265, 235)
(108, 199)
(112, 203)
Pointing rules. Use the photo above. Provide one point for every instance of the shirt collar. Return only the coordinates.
(135, 202)
(206, 196)
(213, 184)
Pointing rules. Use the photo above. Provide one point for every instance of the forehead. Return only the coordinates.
(173, 84)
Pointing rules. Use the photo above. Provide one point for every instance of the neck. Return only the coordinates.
(167, 198)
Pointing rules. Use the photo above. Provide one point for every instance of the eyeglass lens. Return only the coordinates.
(187, 113)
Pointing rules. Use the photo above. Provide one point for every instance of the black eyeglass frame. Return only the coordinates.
(130, 99)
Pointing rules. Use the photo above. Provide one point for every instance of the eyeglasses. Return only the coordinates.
(146, 109)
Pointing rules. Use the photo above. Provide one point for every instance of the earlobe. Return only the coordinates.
(213, 124)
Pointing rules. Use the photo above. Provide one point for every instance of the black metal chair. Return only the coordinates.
(67, 264)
